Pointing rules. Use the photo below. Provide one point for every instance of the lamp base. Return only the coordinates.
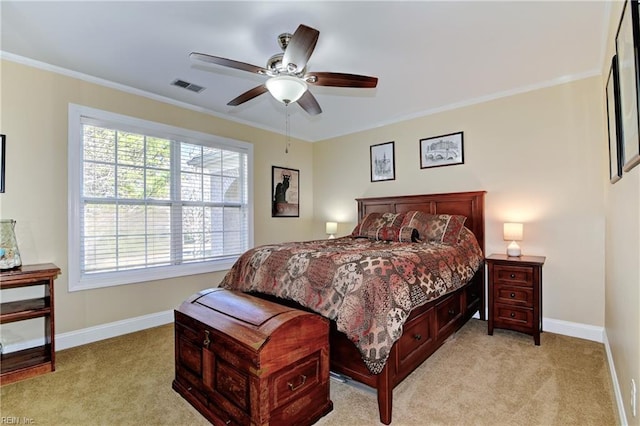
(513, 250)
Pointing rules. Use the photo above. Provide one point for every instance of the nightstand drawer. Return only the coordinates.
(512, 315)
(514, 275)
(513, 295)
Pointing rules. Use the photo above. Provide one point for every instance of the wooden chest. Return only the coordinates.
(244, 360)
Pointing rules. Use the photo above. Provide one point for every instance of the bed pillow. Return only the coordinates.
(439, 228)
(374, 221)
(393, 233)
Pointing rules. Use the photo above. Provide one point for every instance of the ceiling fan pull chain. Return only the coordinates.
(287, 128)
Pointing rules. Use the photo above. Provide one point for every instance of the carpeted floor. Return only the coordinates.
(474, 379)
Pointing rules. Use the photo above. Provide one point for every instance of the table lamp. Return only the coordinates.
(331, 228)
(513, 232)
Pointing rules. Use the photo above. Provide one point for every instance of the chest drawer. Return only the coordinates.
(513, 275)
(295, 380)
(513, 295)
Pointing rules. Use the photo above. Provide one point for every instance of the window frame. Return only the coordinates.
(77, 281)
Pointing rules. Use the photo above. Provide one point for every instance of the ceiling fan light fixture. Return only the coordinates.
(286, 89)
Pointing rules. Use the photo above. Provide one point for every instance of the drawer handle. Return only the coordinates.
(512, 295)
(417, 337)
(512, 315)
(512, 276)
(452, 312)
(303, 379)
(207, 339)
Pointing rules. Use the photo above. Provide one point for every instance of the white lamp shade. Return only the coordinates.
(331, 227)
(286, 89)
(512, 231)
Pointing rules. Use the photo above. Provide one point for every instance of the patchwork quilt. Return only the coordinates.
(368, 287)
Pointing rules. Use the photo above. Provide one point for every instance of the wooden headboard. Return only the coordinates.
(469, 204)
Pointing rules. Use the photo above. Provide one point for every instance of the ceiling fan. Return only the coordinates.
(287, 71)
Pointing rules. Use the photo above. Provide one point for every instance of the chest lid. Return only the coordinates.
(243, 307)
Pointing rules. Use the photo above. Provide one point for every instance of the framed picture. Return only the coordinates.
(445, 150)
(3, 148)
(285, 192)
(383, 163)
(613, 122)
(627, 52)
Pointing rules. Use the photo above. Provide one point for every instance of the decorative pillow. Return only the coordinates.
(440, 228)
(376, 220)
(393, 233)
(454, 227)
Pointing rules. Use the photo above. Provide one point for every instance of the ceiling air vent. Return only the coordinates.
(187, 85)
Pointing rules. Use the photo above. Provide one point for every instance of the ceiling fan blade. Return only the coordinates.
(309, 103)
(336, 79)
(203, 57)
(248, 95)
(300, 47)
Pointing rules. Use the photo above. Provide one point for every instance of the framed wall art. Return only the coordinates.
(285, 192)
(628, 74)
(383, 163)
(444, 150)
(3, 148)
(613, 122)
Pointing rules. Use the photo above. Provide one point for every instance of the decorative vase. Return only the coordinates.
(9, 254)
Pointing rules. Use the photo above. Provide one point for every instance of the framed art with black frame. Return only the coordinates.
(3, 140)
(383, 162)
(628, 72)
(444, 150)
(614, 123)
(285, 192)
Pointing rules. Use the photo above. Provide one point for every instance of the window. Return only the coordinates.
(150, 201)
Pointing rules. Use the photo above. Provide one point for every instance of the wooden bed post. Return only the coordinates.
(385, 395)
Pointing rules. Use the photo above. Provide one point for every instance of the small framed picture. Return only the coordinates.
(614, 123)
(285, 192)
(627, 52)
(2, 162)
(445, 150)
(383, 163)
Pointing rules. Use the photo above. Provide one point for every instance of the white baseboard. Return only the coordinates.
(574, 329)
(616, 385)
(99, 332)
(113, 329)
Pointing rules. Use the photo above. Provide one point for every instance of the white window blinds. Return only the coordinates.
(150, 200)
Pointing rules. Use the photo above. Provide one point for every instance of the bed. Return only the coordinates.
(376, 339)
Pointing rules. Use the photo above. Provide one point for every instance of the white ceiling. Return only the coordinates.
(429, 56)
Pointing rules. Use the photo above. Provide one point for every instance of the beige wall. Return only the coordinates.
(34, 118)
(622, 248)
(539, 156)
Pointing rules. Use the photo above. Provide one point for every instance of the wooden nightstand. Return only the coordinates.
(515, 294)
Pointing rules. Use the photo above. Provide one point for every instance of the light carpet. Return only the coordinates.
(473, 379)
